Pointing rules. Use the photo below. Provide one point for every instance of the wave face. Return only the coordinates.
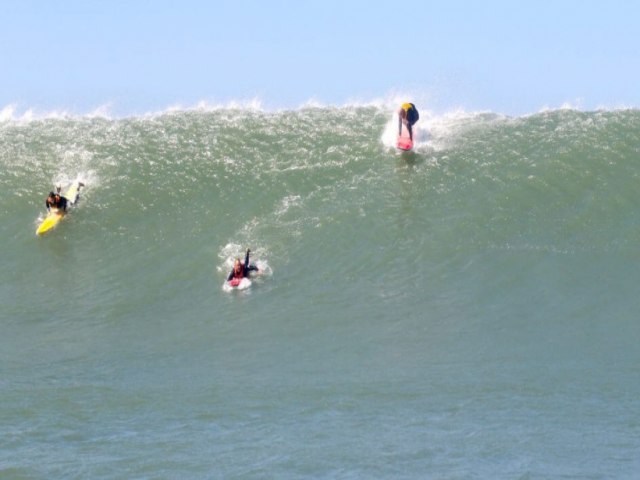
(469, 309)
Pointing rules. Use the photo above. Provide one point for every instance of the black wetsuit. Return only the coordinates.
(60, 204)
(246, 268)
(412, 117)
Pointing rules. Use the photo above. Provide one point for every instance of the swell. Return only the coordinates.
(559, 181)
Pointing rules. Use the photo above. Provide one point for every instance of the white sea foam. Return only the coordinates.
(14, 112)
(432, 128)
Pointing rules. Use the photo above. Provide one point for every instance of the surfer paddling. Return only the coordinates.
(241, 270)
(57, 201)
(407, 115)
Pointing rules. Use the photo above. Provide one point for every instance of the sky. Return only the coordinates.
(139, 56)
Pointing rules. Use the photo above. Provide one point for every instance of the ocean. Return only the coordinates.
(466, 310)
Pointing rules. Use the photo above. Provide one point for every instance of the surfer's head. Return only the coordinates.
(237, 266)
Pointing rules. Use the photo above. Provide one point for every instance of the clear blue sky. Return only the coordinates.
(145, 55)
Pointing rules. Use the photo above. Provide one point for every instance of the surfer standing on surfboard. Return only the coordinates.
(408, 114)
(241, 270)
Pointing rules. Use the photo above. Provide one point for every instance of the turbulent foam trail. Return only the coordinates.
(421, 292)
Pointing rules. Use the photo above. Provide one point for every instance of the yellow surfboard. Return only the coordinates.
(50, 221)
(55, 215)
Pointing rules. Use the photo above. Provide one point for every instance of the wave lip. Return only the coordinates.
(13, 112)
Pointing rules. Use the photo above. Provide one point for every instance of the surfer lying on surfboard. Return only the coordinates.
(57, 201)
(241, 270)
(407, 115)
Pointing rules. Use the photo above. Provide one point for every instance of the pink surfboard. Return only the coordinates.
(404, 142)
(236, 284)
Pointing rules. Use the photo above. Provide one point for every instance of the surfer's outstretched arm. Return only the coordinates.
(247, 266)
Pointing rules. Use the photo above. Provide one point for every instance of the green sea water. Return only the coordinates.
(467, 310)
